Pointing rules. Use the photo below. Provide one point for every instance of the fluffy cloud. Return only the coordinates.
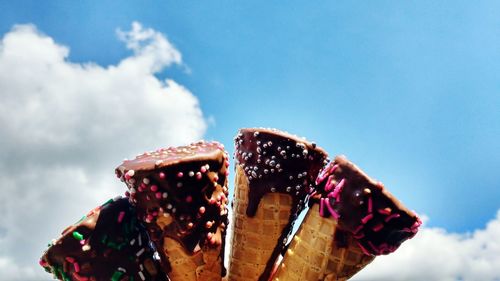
(64, 127)
(435, 254)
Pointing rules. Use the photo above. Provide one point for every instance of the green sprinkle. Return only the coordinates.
(104, 238)
(116, 276)
(80, 220)
(107, 202)
(77, 236)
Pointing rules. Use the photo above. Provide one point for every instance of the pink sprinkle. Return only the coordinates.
(78, 277)
(77, 267)
(325, 172)
(158, 195)
(370, 205)
(149, 218)
(82, 242)
(154, 188)
(43, 263)
(338, 188)
(208, 224)
(212, 240)
(331, 194)
(375, 249)
(209, 235)
(313, 193)
(161, 175)
(366, 218)
(384, 212)
(416, 224)
(227, 173)
(380, 185)
(198, 175)
(332, 211)
(120, 216)
(359, 236)
(365, 251)
(180, 174)
(70, 259)
(203, 169)
(393, 216)
(211, 201)
(321, 207)
(378, 227)
(226, 163)
(358, 229)
(189, 199)
(216, 178)
(329, 184)
(202, 210)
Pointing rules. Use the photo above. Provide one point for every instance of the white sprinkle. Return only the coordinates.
(164, 195)
(131, 173)
(191, 173)
(86, 247)
(145, 181)
(141, 251)
(122, 269)
(142, 275)
(132, 242)
(140, 240)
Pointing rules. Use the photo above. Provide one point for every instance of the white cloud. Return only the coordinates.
(435, 254)
(64, 127)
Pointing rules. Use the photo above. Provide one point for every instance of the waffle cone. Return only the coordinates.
(254, 238)
(314, 254)
(203, 265)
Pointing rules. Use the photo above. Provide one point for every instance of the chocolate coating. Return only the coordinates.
(275, 161)
(187, 184)
(107, 244)
(363, 207)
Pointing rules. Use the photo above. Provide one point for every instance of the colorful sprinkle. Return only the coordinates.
(121, 215)
(77, 235)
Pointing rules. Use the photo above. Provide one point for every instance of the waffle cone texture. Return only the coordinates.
(315, 255)
(202, 265)
(254, 238)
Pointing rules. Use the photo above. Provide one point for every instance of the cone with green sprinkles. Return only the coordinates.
(106, 244)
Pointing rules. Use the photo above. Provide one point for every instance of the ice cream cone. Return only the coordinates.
(203, 264)
(180, 195)
(274, 173)
(316, 253)
(106, 244)
(254, 238)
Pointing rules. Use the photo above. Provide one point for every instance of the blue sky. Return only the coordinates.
(409, 90)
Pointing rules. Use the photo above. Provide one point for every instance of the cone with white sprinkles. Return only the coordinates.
(274, 173)
(181, 195)
(106, 244)
(352, 219)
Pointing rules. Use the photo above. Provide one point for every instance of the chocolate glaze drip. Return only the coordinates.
(107, 244)
(275, 161)
(363, 207)
(186, 186)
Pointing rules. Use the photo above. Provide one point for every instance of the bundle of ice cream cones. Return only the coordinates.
(177, 206)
